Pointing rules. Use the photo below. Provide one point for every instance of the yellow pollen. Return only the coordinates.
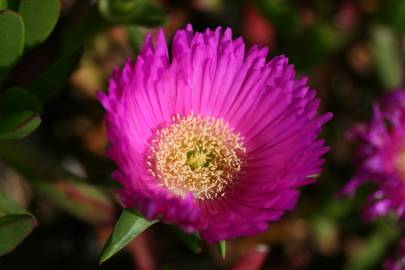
(197, 154)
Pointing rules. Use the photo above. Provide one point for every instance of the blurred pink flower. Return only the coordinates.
(380, 155)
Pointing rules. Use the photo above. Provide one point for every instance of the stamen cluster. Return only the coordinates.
(197, 154)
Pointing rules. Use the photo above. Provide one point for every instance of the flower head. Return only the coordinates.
(212, 138)
(381, 156)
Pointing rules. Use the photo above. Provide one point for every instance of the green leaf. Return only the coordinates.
(222, 248)
(17, 99)
(192, 241)
(134, 11)
(375, 247)
(55, 77)
(129, 225)
(15, 224)
(18, 125)
(3, 4)
(117, 9)
(387, 57)
(11, 40)
(40, 17)
(13, 230)
(82, 200)
(9, 207)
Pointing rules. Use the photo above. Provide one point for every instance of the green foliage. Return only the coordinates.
(40, 17)
(18, 113)
(25, 25)
(55, 77)
(393, 14)
(318, 39)
(128, 226)
(284, 17)
(134, 11)
(375, 247)
(11, 4)
(15, 224)
(192, 241)
(82, 200)
(9, 207)
(3, 4)
(222, 248)
(11, 40)
(386, 56)
(18, 125)
(17, 99)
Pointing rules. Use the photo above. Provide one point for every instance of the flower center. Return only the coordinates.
(197, 154)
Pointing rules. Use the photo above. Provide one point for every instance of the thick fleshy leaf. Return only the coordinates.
(222, 248)
(82, 200)
(40, 17)
(3, 4)
(15, 224)
(9, 207)
(18, 125)
(134, 11)
(11, 40)
(387, 57)
(55, 77)
(128, 226)
(17, 99)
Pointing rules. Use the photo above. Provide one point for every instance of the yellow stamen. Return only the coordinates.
(197, 154)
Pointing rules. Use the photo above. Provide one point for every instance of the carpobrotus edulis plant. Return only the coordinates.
(212, 138)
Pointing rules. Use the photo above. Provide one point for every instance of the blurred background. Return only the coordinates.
(54, 56)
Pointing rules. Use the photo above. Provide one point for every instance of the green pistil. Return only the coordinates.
(197, 159)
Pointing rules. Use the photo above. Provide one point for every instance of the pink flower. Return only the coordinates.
(212, 138)
(380, 156)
